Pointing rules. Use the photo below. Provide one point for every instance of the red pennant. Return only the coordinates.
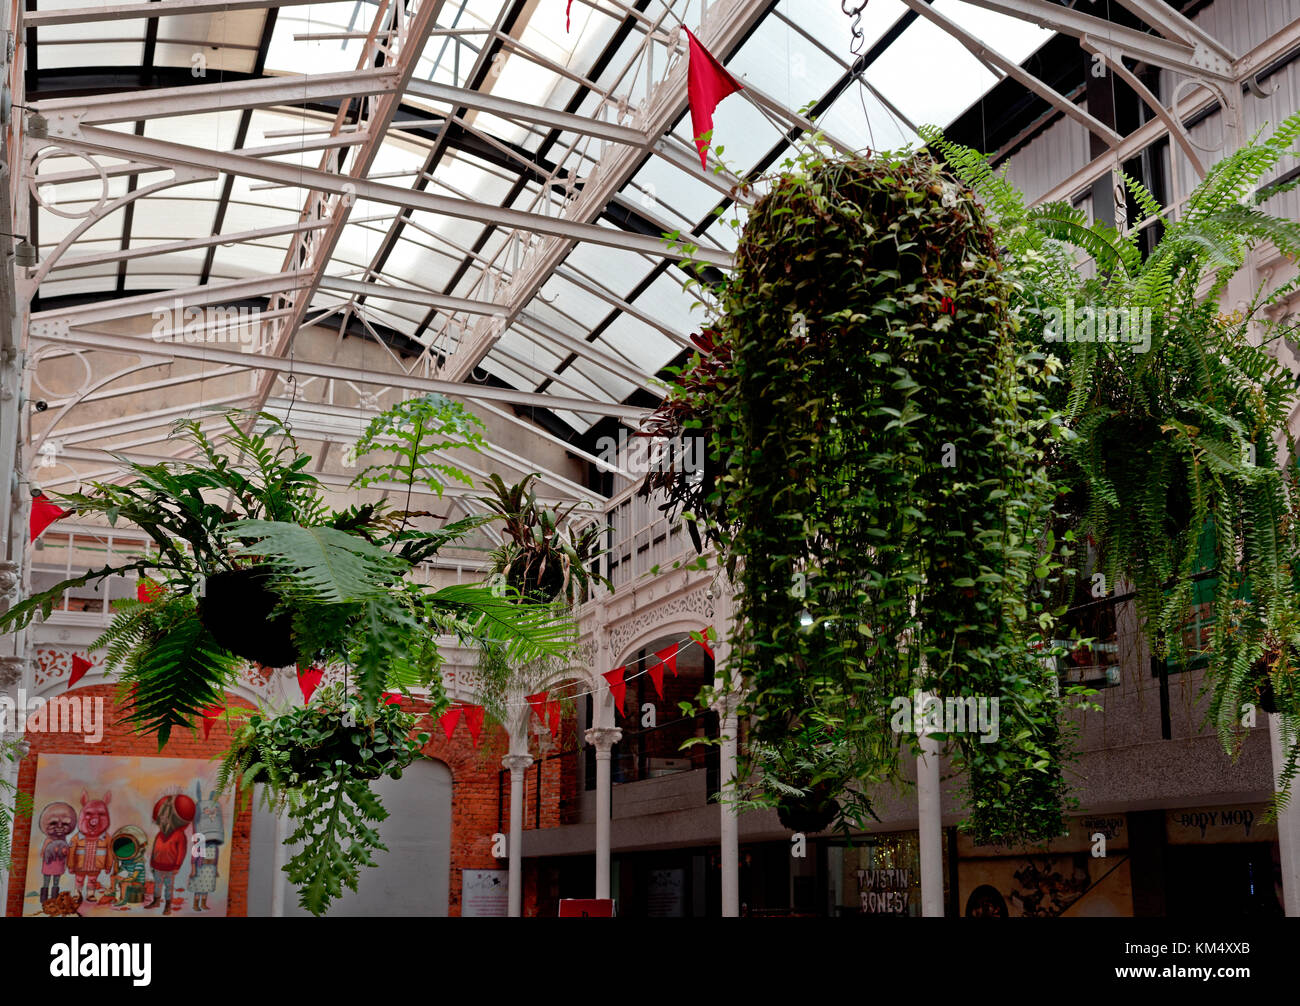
(449, 719)
(568, 16)
(669, 656)
(474, 720)
(704, 643)
(554, 716)
(538, 702)
(308, 679)
(44, 513)
(707, 83)
(210, 716)
(146, 591)
(657, 676)
(617, 686)
(80, 665)
(392, 699)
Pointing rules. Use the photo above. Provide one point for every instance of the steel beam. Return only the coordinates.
(147, 303)
(164, 8)
(55, 334)
(100, 109)
(1195, 60)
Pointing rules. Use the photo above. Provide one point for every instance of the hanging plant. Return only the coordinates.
(878, 439)
(317, 762)
(543, 558)
(1176, 412)
(277, 577)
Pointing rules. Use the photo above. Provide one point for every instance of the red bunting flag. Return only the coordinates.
(554, 716)
(704, 643)
(568, 16)
(44, 513)
(538, 702)
(449, 719)
(392, 699)
(707, 84)
(669, 656)
(474, 720)
(210, 716)
(617, 686)
(80, 665)
(657, 676)
(308, 679)
(146, 591)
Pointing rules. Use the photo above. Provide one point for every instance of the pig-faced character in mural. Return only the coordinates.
(171, 846)
(205, 849)
(128, 846)
(57, 822)
(88, 854)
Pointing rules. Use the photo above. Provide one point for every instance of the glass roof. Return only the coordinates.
(605, 319)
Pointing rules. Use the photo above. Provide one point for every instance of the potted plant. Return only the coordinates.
(543, 557)
(252, 563)
(1175, 446)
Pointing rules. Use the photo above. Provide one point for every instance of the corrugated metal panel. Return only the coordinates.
(1055, 153)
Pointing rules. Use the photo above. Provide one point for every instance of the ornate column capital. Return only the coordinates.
(9, 578)
(604, 738)
(11, 671)
(517, 762)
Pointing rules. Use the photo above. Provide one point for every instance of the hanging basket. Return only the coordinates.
(237, 609)
(1259, 673)
(810, 813)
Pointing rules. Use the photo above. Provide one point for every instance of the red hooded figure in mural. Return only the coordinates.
(173, 815)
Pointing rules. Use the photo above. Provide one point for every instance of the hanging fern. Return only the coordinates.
(1171, 442)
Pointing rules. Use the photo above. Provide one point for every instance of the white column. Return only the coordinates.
(730, 836)
(929, 820)
(518, 765)
(279, 882)
(1288, 822)
(604, 739)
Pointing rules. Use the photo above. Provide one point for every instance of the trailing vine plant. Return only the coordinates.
(882, 482)
(1176, 412)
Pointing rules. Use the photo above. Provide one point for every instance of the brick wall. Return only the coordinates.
(477, 813)
(119, 740)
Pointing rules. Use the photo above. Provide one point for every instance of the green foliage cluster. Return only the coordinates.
(882, 480)
(1189, 439)
(21, 807)
(319, 760)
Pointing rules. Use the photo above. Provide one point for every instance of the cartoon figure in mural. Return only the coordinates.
(88, 854)
(209, 834)
(173, 814)
(57, 822)
(128, 846)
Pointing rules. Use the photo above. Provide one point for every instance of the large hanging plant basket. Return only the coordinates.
(871, 427)
(239, 609)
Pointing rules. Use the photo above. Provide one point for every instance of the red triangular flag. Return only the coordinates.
(146, 591)
(474, 720)
(210, 716)
(704, 644)
(568, 16)
(538, 702)
(617, 686)
(44, 513)
(554, 716)
(308, 679)
(669, 656)
(80, 665)
(707, 83)
(657, 676)
(392, 699)
(449, 719)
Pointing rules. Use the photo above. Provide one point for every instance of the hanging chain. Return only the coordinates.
(854, 9)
